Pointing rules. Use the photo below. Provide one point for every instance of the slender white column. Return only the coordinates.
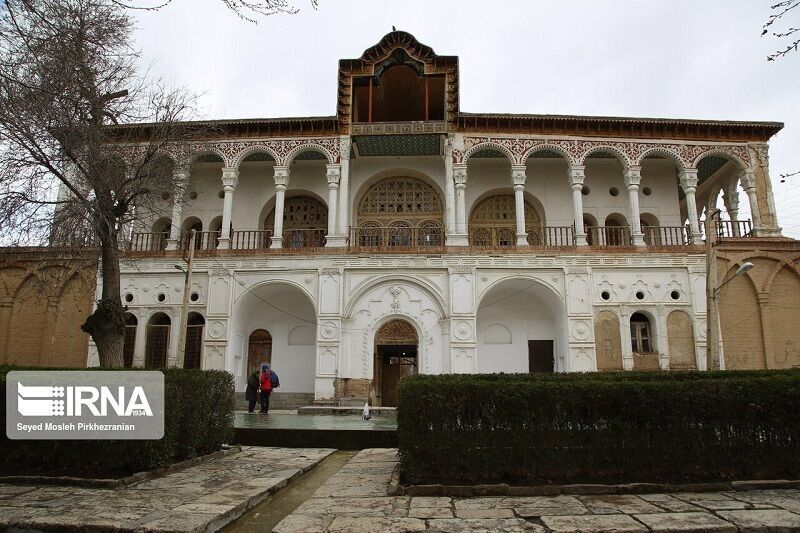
(333, 174)
(230, 179)
(181, 177)
(633, 176)
(449, 190)
(343, 218)
(518, 179)
(576, 176)
(461, 237)
(748, 180)
(281, 181)
(688, 181)
(731, 199)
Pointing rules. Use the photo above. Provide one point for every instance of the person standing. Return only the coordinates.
(251, 394)
(269, 381)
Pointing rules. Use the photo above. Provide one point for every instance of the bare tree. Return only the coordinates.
(68, 90)
(779, 13)
(249, 10)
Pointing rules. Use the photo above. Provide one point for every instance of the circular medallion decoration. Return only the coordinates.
(328, 330)
(580, 330)
(462, 330)
(216, 329)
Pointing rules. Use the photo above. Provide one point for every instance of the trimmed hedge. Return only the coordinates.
(615, 427)
(198, 419)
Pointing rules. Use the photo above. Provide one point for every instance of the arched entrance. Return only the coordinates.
(521, 328)
(275, 323)
(396, 356)
(259, 350)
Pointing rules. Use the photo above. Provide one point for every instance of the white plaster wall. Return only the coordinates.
(293, 337)
(659, 175)
(510, 314)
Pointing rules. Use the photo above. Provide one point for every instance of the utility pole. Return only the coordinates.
(712, 344)
(187, 284)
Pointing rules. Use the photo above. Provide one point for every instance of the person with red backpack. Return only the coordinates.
(268, 382)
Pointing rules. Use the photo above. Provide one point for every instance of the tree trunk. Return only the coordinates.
(106, 324)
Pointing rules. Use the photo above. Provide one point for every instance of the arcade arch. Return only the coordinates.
(534, 317)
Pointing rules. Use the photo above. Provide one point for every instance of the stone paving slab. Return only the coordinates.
(356, 499)
(203, 497)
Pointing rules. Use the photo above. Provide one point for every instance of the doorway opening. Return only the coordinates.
(540, 356)
(396, 356)
(259, 350)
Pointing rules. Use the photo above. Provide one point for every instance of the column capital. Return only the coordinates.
(748, 179)
(688, 180)
(460, 174)
(281, 176)
(576, 175)
(518, 175)
(230, 179)
(333, 173)
(633, 176)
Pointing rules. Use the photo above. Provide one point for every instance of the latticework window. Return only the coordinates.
(493, 222)
(300, 212)
(400, 212)
(400, 198)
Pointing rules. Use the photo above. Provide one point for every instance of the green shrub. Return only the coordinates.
(599, 427)
(198, 419)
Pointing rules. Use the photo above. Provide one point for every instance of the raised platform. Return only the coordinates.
(341, 431)
(345, 410)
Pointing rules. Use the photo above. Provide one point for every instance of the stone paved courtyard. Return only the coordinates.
(203, 497)
(207, 496)
(355, 499)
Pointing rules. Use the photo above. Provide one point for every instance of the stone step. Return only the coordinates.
(344, 410)
(280, 400)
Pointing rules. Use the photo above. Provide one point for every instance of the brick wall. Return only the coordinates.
(45, 296)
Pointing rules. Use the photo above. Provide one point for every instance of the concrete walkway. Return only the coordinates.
(355, 499)
(203, 497)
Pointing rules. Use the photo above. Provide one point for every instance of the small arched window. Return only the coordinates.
(641, 334)
(194, 340)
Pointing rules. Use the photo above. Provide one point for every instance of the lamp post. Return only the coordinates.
(187, 284)
(712, 326)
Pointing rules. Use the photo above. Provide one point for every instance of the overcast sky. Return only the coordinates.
(653, 58)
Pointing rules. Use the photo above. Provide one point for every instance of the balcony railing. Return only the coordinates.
(666, 235)
(608, 236)
(734, 228)
(148, 242)
(306, 239)
(251, 239)
(203, 240)
(397, 238)
(504, 238)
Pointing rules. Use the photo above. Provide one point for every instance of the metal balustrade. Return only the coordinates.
(251, 239)
(431, 239)
(397, 238)
(203, 240)
(608, 236)
(734, 228)
(666, 235)
(148, 242)
(305, 239)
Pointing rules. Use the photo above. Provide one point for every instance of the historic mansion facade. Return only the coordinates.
(402, 235)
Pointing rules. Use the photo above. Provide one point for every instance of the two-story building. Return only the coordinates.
(403, 235)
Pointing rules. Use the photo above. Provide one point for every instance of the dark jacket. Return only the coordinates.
(251, 394)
